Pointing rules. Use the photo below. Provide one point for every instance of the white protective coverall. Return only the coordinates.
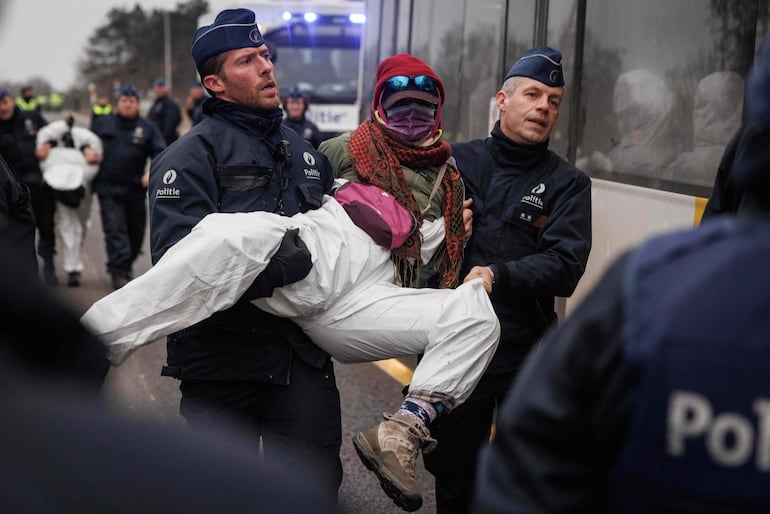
(66, 169)
(348, 304)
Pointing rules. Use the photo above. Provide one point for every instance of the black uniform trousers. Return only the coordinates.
(281, 415)
(124, 220)
(44, 206)
(460, 435)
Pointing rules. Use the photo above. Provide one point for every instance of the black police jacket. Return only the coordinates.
(532, 225)
(18, 140)
(235, 160)
(128, 143)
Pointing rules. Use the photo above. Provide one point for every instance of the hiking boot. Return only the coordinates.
(73, 279)
(390, 450)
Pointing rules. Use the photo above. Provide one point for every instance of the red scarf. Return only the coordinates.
(377, 155)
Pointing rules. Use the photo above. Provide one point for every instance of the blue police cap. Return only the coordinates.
(128, 90)
(542, 64)
(232, 28)
(3, 92)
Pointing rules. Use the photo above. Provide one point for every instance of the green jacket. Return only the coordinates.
(421, 181)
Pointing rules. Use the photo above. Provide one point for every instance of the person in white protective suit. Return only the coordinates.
(69, 158)
(349, 304)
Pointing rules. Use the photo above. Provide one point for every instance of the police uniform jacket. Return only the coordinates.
(18, 140)
(166, 115)
(235, 160)
(17, 220)
(652, 397)
(128, 143)
(532, 225)
(305, 128)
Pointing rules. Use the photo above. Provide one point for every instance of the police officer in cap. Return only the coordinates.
(295, 106)
(653, 395)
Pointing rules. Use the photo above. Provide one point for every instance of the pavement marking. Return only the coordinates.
(396, 369)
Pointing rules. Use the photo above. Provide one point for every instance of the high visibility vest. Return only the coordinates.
(27, 105)
(101, 110)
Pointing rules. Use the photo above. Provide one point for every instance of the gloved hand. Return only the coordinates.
(291, 263)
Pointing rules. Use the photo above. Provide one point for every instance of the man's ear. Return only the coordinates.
(500, 100)
(214, 83)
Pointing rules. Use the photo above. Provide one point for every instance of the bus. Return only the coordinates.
(654, 92)
(316, 47)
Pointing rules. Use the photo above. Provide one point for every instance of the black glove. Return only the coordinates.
(291, 263)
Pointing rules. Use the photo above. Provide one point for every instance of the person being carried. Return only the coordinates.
(69, 158)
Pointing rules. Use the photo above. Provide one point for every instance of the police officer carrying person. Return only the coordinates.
(243, 364)
(295, 106)
(18, 141)
(530, 242)
(128, 142)
(653, 396)
(165, 112)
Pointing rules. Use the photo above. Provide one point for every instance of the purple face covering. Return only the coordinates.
(414, 121)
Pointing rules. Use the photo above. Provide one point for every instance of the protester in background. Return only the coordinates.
(165, 112)
(102, 107)
(194, 103)
(530, 242)
(18, 140)
(295, 106)
(653, 396)
(17, 220)
(69, 158)
(244, 364)
(128, 141)
(400, 149)
(27, 101)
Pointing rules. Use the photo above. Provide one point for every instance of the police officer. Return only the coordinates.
(17, 220)
(295, 106)
(27, 101)
(243, 364)
(530, 242)
(102, 107)
(18, 140)
(165, 112)
(653, 396)
(128, 141)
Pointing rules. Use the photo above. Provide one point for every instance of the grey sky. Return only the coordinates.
(45, 38)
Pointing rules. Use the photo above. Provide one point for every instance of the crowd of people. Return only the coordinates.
(274, 252)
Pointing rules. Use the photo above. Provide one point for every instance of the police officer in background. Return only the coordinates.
(27, 101)
(194, 102)
(165, 112)
(128, 142)
(17, 220)
(530, 242)
(18, 141)
(102, 107)
(653, 396)
(243, 364)
(295, 106)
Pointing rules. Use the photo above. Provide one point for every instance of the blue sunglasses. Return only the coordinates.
(423, 83)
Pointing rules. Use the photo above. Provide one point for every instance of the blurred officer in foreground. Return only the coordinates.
(244, 364)
(18, 141)
(295, 106)
(128, 141)
(655, 395)
(63, 451)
